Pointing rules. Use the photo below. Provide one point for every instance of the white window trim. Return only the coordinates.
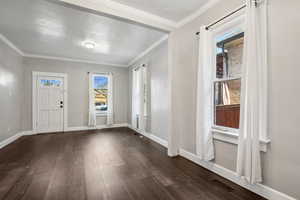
(100, 113)
(222, 29)
(233, 138)
(226, 134)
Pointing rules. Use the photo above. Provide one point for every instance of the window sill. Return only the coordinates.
(232, 138)
(101, 114)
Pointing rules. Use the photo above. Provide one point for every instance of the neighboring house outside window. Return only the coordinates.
(226, 82)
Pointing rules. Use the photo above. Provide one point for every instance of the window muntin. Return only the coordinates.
(100, 85)
(227, 79)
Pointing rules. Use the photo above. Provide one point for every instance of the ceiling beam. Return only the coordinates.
(110, 8)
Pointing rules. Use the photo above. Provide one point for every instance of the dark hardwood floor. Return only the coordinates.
(108, 164)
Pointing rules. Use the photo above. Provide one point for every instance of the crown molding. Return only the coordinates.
(26, 55)
(71, 60)
(149, 49)
(11, 45)
(122, 11)
(196, 14)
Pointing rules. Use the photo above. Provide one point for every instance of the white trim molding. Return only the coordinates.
(158, 140)
(11, 45)
(69, 129)
(29, 133)
(151, 136)
(98, 127)
(153, 46)
(71, 60)
(233, 138)
(39, 56)
(259, 189)
(10, 140)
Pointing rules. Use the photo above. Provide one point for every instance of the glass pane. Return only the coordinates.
(50, 83)
(227, 103)
(229, 55)
(45, 83)
(55, 83)
(101, 92)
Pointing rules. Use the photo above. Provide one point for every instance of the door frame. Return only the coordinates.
(35, 75)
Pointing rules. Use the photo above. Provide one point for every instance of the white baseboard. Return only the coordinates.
(151, 136)
(99, 127)
(82, 128)
(112, 126)
(159, 140)
(10, 140)
(28, 133)
(259, 189)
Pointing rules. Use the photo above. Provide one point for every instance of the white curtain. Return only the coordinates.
(142, 77)
(253, 122)
(138, 98)
(134, 107)
(204, 140)
(92, 109)
(110, 109)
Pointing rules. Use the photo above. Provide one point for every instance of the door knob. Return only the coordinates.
(61, 102)
(61, 106)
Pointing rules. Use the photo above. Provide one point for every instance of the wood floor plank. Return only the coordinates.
(111, 164)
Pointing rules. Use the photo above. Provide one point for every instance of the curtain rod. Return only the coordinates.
(256, 2)
(225, 17)
(136, 68)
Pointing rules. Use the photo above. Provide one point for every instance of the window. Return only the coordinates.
(100, 84)
(50, 83)
(228, 47)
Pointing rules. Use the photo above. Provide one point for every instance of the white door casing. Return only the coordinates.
(49, 102)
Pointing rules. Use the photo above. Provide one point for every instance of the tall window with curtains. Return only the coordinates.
(226, 82)
(233, 86)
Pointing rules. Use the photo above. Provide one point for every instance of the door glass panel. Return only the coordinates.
(50, 83)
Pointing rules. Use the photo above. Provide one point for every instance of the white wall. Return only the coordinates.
(157, 67)
(11, 92)
(77, 89)
(281, 164)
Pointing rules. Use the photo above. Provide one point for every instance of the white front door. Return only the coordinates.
(49, 104)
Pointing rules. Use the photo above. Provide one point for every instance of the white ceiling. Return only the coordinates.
(48, 29)
(174, 10)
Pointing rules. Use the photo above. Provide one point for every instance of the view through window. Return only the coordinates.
(101, 93)
(227, 82)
